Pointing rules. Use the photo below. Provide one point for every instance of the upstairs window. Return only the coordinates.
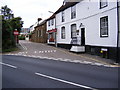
(73, 12)
(41, 33)
(49, 23)
(103, 3)
(104, 26)
(63, 16)
(63, 32)
(52, 22)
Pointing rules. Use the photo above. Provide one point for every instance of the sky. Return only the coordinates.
(30, 10)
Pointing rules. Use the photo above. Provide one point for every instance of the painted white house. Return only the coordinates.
(51, 30)
(89, 26)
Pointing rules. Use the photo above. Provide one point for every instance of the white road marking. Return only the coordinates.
(54, 50)
(35, 52)
(64, 81)
(39, 51)
(65, 60)
(23, 46)
(8, 65)
(99, 64)
(45, 51)
(48, 51)
(60, 59)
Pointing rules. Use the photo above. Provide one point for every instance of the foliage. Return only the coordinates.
(6, 12)
(22, 37)
(9, 24)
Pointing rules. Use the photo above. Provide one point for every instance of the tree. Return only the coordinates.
(16, 23)
(9, 24)
(6, 12)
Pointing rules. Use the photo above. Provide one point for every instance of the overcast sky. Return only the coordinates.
(30, 10)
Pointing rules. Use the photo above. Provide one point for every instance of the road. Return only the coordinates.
(27, 72)
(38, 65)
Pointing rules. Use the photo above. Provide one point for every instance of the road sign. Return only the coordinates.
(16, 33)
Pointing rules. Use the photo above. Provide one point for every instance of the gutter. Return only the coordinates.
(118, 35)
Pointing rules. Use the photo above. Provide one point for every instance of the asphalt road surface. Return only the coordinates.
(26, 72)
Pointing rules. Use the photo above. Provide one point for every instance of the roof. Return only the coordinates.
(43, 22)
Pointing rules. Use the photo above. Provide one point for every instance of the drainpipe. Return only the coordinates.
(55, 33)
(117, 58)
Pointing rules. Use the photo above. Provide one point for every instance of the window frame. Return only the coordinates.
(49, 23)
(63, 16)
(103, 27)
(73, 31)
(52, 22)
(73, 12)
(103, 6)
(63, 32)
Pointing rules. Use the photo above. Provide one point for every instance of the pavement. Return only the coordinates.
(40, 50)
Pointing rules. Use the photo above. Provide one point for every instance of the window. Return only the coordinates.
(63, 16)
(41, 33)
(63, 32)
(38, 32)
(49, 23)
(73, 30)
(104, 26)
(52, 22)
(73, 12)
(103, 3)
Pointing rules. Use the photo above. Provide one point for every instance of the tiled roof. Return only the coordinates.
(43, 22)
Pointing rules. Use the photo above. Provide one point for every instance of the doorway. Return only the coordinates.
(82, 36)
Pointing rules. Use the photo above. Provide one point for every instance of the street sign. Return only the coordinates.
(16, 33)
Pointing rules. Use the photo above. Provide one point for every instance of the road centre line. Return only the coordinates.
(8, 65)
(64, 81)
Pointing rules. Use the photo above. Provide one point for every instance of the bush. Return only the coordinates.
(21, 38)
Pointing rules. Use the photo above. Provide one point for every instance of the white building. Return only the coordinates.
(89, 26)
(51, 30)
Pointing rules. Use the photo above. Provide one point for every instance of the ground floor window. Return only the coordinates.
(51, 37)
(73, 31)
(104, 26)
(63, 32)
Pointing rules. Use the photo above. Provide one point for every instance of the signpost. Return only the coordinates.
(16, 33)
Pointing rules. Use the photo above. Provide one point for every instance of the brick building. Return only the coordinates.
(39, 34)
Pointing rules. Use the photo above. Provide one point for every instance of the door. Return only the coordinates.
(82, 36)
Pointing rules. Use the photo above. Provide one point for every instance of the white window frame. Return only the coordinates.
(73, 12)
(63, 16)
(49, 23)
(52, 22)
(73, 30)
(103, 3)
(63, 32)
(104, 26)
